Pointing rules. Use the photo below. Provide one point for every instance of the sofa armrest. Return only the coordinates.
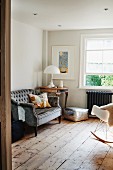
(14, 102)
(54, 101)
(30, 113)
(14, 110)
(30, 105)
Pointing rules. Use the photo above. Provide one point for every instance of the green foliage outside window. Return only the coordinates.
(98, 80)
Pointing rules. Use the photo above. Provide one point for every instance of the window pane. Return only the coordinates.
(94, 56)
(94, 44)
(107, 68)
(99, 80)
(94, 68)
(108, 44)
(108, 56)
(93, 80)
(108, 61)
(94, 62)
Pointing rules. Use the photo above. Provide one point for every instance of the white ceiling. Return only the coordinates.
(70, 14)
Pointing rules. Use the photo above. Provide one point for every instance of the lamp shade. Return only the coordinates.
(51, 69)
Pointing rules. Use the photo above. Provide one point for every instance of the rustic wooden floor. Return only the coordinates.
(65, 146)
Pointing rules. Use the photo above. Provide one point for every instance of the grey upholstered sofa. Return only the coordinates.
(34, 117)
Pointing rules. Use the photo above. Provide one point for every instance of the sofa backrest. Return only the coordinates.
(21, 95)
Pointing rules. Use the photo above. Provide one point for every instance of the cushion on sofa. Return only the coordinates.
(40, 101)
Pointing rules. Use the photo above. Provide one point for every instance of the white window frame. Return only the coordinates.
(84, 37)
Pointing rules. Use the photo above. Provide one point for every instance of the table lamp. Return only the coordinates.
(51, 69)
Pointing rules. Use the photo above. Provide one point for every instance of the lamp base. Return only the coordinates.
(51, 84)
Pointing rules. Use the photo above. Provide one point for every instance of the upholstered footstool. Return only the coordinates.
(75, 114)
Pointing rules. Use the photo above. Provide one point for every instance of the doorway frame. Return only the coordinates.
(5, 99)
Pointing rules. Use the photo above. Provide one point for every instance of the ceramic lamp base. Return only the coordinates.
(51, 84)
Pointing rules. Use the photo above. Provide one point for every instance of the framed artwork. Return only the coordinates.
(64, 58)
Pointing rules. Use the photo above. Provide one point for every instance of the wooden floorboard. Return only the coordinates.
(66, 146)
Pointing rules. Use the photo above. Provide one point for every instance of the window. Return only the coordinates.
(96, 64)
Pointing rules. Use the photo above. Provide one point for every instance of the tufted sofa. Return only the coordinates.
(34, 117)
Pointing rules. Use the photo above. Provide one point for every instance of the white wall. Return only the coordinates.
(26, 56)
(77, 97)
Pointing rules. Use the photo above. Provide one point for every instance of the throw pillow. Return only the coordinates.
(40, 101)
(35, 98)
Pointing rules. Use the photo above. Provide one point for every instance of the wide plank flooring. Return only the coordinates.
(65, 146)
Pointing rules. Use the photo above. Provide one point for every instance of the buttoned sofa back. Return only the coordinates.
(22, 95)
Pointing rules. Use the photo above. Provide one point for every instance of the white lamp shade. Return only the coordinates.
(51, 69)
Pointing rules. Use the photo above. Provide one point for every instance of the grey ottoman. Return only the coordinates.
(75, 114)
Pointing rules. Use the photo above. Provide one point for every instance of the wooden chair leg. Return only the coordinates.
(35, 128)
(59, 119)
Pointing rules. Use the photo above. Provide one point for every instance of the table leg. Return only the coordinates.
(66, 96)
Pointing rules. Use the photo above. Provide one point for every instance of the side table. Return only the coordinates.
(56, 90)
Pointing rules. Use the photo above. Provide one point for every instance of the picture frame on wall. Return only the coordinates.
(64, 58)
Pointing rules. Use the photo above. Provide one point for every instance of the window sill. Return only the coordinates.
(96, 87)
